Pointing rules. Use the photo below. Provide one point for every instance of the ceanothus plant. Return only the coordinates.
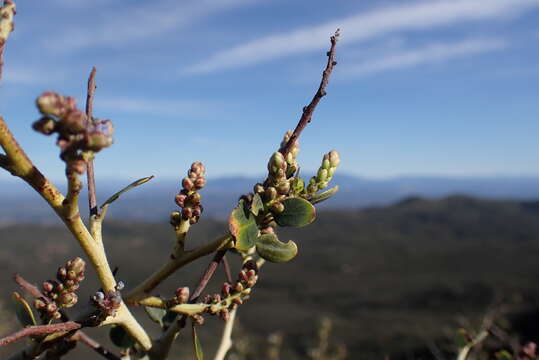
(282, 199)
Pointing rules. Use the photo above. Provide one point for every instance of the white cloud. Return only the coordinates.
(177, 108)
(363, 26)
(432, 53)
(30, 76)
(118, 27)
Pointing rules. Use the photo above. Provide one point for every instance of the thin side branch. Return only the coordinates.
(26, 286)
(40, 330)
(320, 93)
(143, 290)
(92, 198)
(208, 274)
(226, 339)
(226, 267)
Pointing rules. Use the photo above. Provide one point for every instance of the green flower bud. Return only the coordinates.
(77, 264)
(276, 163)
(194, 198)
(271, 193)
(323, 185)
(175, 218)
(258, 189)
(68, 299)
(283, 188)
(322, 175)
(312, 188)
(188, 184)
(326, 164)
(277, 207)
(334, 158)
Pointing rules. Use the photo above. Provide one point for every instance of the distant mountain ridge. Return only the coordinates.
(154, 200)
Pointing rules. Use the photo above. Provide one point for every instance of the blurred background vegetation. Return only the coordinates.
(395, 281)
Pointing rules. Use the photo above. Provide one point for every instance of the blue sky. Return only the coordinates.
(439, 87)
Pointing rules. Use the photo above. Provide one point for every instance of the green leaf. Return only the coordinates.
(242, 226)
(324, 195)
(503, 355)
(125, 189)
(257, 205)
(23, 310)
(297, 185)
(156, 314)
(196, 344)
(120, 337)
(297, 212)
(169, 317)
(272, 249)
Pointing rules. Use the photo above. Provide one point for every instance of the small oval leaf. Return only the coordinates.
(23, 310)
(315, 199)
(156, 314)
(269, 247)
(297, 212)
(242, 226)
(196, 344)
(120, 337)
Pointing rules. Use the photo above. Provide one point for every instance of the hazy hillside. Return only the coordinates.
(154, 200)
(395, 280)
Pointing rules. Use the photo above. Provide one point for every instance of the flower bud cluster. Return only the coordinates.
(108, 301)
(189, 199)
(277, 186)
(75, 133)
(292, 154)
(325, 173)
(60, 293)
(233, 295)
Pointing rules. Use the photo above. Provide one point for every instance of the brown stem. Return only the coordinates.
(39, 330)
(226, 267)
(92, 198)
(29, 288)
(206, 277)
(320, 93)
(208, 274)
(94, 345)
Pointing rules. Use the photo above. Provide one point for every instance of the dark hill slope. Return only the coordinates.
(394, 279)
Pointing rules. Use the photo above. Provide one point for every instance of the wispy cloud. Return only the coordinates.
(176, 108)
(432, 53)
(364, 26)
(139, 23)
(31, 76)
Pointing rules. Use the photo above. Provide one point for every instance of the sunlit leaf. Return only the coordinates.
(297, 212)
(257, 205)
(324, 195)
(242, 226)
(269, 247)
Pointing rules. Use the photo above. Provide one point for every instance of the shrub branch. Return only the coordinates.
(320, 93)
